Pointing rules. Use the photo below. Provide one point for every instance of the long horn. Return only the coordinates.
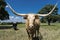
(49, 12)
(15, 11)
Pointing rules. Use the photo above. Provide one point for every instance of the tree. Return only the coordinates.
(46, 10)
(58, 18)
(43, 20)
(3, 13)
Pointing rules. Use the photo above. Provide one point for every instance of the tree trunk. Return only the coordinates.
(49, 21)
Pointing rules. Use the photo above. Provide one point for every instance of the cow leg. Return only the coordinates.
(37, 32)
(28, 34)
(31, 36)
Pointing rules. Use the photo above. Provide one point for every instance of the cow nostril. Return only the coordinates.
(30, 27)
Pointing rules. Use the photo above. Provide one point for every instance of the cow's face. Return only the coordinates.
(30, 20)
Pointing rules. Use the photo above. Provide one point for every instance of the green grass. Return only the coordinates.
(21, 25)
(53, 26)
(51, 32)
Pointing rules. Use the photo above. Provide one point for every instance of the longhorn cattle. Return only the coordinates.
(32, 21)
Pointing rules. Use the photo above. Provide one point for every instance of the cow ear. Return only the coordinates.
(36, 17)
(25, 17)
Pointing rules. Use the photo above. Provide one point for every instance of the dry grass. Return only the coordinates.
(48, 32)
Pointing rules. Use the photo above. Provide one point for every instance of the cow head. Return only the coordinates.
(31, 19)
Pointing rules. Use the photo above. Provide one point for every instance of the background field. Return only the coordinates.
(51, 32)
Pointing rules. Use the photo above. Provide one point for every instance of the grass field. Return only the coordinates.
(51, 32)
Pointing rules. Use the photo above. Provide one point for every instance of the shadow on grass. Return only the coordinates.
(8, 27)
(5, 27)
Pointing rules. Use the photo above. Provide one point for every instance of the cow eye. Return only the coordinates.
(36, 17)
(25, 17)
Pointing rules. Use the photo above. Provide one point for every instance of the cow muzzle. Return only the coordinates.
(31, 27)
